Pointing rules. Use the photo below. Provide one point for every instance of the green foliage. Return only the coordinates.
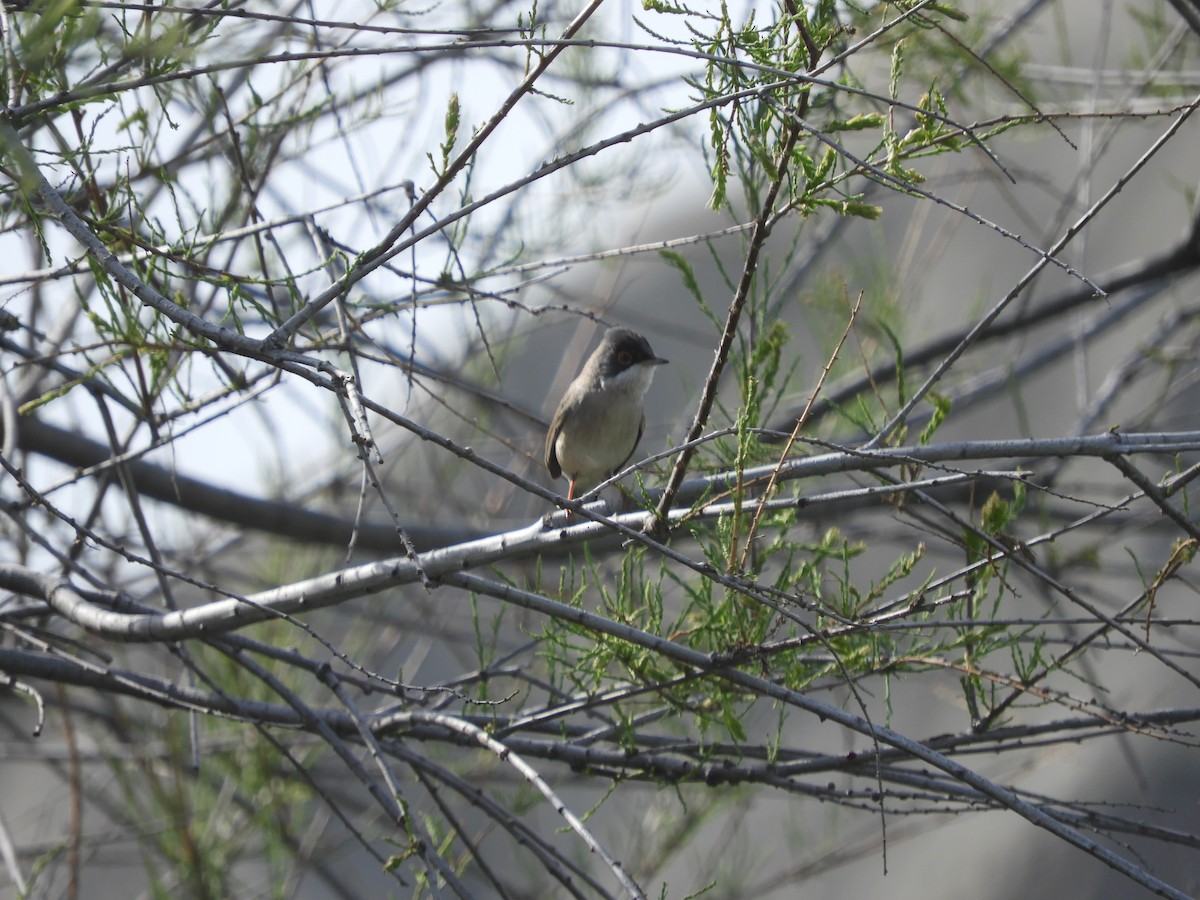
(770, 116)
(265, 809)
(941, 409)
(451, 123)
(679, 263)
(40, 866)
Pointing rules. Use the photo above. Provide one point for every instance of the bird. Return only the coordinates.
(600, 418)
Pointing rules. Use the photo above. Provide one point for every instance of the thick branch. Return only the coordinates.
(345, 584)
(277, 517)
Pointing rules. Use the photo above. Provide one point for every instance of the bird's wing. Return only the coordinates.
(551, 455)
(637, 440)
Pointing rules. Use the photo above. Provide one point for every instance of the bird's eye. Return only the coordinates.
(624, 357)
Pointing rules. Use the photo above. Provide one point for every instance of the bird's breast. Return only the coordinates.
(600, 436)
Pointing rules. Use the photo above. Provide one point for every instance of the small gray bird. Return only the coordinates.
(600, 419)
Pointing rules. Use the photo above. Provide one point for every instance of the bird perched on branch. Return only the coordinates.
(600, 419)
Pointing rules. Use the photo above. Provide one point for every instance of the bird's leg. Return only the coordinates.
(571, 496)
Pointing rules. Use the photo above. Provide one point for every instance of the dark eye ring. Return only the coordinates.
(624, 357)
